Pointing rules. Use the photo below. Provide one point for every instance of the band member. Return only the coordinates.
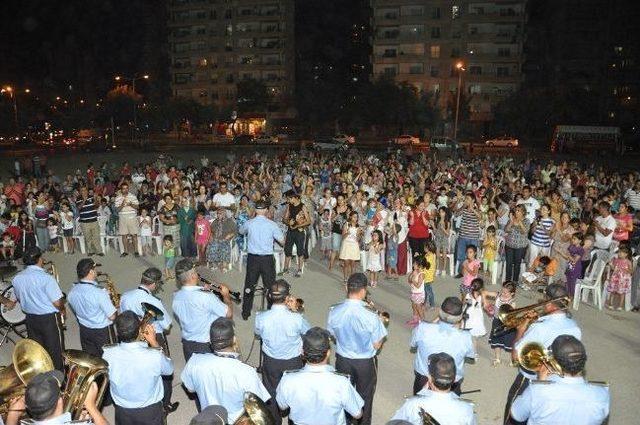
(443, 336)
(42, 301)
(304, 392)
(567, 399)
(544, 330)
(436, 398)
(93, 308)
(220, 377)
(261, 232)
(196, 309)
(297, 219)
(150, 283)
(280, 330)
(135, 373)
(359, 335)
(44, 405)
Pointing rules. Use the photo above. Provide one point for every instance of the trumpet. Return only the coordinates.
(110, 287)
(151, 313)
(385, 317)
(512, 318)
(215, 289)
(50, 267)
(533, 356)
(294, 304)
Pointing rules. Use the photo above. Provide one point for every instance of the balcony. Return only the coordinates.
(493, 17)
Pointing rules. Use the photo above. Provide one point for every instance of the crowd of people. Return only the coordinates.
(523, 224)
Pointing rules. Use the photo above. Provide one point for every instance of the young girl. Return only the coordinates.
(350, 249)
(145, 223)
(470, 268)
(499, 338)
(620, 280)
(52, 228)
(430, 273)
(489, 248)
(574, 262)
(66, 219)
(375, 251)
(203, 232)
(392, 251)
(416, 284)
(441, 236)
(8, 247)
(169, 253)
(475, 320)
(325, 234)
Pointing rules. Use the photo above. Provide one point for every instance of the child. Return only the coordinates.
(28, 232)
(587, 245)
(67, 221)
(574, 262)
(542, 269)
(392, 251)
(325, 234)
(441, 236)
(145, 223)
(416, 284)
(620, 280)
(501, 338)
(203, 233)
(8, 248)
(475, 319)
(470, 268)
(52, 228)
(169, 253)
(489, 248)
(430, 273)
(375, 251)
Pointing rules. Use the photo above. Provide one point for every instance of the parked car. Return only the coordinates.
(243, 138)
(329, 144)
(265, 139)
(406, 139)
(344, 138)
(503, 141)
(443, 143)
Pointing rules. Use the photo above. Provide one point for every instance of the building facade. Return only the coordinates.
(214, 44)
(421, 41)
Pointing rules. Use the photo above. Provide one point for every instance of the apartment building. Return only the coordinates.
(214, 44)
(421, 41)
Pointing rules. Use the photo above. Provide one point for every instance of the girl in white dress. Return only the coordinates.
(475, 320)
(350, 249)
(374, 257)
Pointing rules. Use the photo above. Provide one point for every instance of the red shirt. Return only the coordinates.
(418, 229)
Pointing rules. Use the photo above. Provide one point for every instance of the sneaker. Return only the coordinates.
(245, 316)
(458, 276)
(171, 407)
(124, 254)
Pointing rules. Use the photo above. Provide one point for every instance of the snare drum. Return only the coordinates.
(15, 316)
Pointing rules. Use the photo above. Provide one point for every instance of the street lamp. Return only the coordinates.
(133, 88)
(9, 89)
(460, 68)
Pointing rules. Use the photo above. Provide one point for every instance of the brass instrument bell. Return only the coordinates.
(82, 370)
(255, 411)
(151, 313)
(533, 356)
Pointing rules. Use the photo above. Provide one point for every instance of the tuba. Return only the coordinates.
(512, 318)
(427, 419)
(151, 313)
(50, 267)
(533, 356)
(255, 412)
(111, 288)
(82, 370)
(29, 359)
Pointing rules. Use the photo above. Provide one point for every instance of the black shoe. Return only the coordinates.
(91, 254)
(124, 254)
(101, 254)
(135, 254)
(245, 316)
(171, 407)
(458, 276)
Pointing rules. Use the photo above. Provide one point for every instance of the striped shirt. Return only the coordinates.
(542, 233)
(88, 210)
(633, 198)
(469, 225)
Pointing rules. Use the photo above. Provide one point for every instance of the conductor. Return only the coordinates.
(261, 232)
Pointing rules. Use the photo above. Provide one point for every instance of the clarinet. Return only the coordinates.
(215, 288)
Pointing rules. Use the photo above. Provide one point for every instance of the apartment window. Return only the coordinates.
(434, 71)
(389, 71)
(477, 10)
(390, 15)
(390, 53)
(390, 33)
(503, 71)
(475, 70)
(245, 12)
(182, 63)
(214, 95)
(475, 89)
(183, 78)
(201, 30)
(416, 11)
(229, 78)
(504, 52)
(434, 51)
(507, 11)
(416, 68)
(228, 14)
(455, 12)
(473, 30)
(435, 32)
(435, 13)
(455, 52)
(228, 30)
(201, 14)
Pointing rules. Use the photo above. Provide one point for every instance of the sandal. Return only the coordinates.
(496, 362)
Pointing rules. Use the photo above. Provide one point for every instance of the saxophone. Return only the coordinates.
(111, 288)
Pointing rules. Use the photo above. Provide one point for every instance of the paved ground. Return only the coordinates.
(611, 338)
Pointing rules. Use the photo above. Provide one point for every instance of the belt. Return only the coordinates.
(261, 255)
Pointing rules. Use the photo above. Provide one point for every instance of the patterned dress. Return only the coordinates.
(620, 281)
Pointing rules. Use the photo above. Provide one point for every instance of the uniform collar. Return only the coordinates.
(574, 380)
(35, 267)
(142, 288)
(353, 301)
(318, 368)
(227, 354)
(88, 282)
(191, 288)
(553, 316)
(429, 393)
(134, 344)
(279, 307)
(65, 418)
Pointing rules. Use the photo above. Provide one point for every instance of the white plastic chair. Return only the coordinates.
(451, 256)
(77, 235)
(498, 264)
(592, 283)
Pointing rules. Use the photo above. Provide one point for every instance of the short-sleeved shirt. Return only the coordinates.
(356, 329)
(261, 233)
(542, 232)
(531, 205)
(446, 408)
(281, 332)
(196, 310)
(608, 222)
(91, 305)
(36, 290)
(129, 210)
(132, 300)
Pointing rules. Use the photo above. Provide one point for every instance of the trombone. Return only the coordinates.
(296, 305)
(50, 267)
(255, 411)
(151, 313)
(512, 318)
(384, 316)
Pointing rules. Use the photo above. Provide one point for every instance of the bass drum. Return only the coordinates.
(15, 316)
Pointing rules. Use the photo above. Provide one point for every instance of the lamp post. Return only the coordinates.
(460, 68)
(9, 89)
(133, 88)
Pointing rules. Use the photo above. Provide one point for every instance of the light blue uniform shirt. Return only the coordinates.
(446, 408)
(135, 373)
(36, 290)
(281, 332)
(221, 379)
(196, 310)
(355, 328)
(317, 395)
(133, 299)
(91, 305)
(441, 337)
(545, 330)
(569, 400)
(63, 419)
(261, 233)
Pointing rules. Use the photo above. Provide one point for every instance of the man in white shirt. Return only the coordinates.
(224, 199)
(127, 207)
(530, 204)
(633, 196)
(605, 224)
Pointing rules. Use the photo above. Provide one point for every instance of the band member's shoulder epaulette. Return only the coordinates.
(371, 309)
(599, 383)
(115, 344)
(466, 400)
(541, 382)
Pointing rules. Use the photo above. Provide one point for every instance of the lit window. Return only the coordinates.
(455, 12)
(435, 51)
